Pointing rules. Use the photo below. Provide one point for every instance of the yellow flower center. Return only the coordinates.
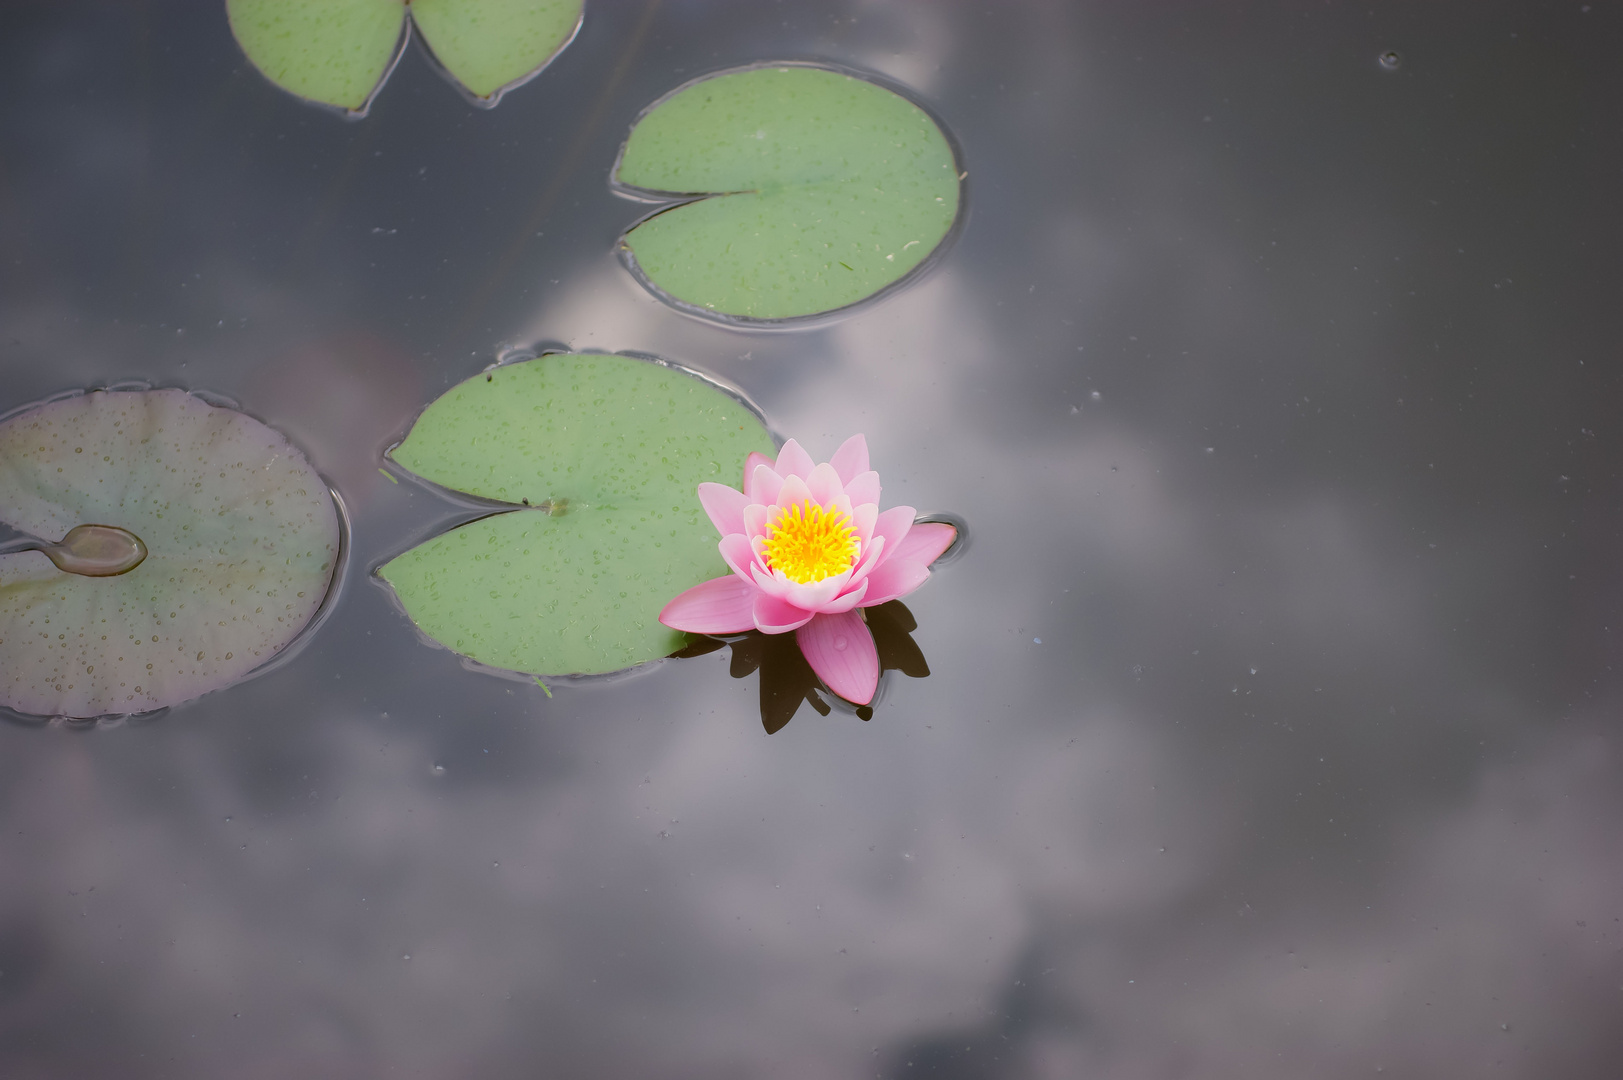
(809, 543)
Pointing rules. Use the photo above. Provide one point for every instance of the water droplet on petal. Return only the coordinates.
(840, 643)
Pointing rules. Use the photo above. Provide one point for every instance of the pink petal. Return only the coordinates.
(757, 517)
(851, 598)
(793, 461)
(864, 516)
(896, 577)
(872, 557)
(725, 506)
(755, 458)
(735, 548)
(770, 582)
(926, 541)
(794, 493)
(721, 605)
(851, 460)
(763, 485)
(774, 616)
(824, 484)
(812, 595)
(864, 488)
(840, 649)
(893, 525)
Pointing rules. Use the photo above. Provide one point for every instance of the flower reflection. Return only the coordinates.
(788, 681)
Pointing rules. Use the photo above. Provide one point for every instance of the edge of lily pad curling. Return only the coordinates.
(663, 201)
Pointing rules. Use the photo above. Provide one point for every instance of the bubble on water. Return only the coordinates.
(439, 770)
(1094, 395)
(1391, 59)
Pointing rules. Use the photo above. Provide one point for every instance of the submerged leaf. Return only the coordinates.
(242, 537)
(607, 452)
(823, 189)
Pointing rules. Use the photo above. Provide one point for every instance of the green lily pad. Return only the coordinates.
(491, 46)
(607, 452)
(816, 189)
(339, 52)
(242, 538)
(336, 52)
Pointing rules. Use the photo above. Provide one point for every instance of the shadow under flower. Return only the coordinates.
(787, 680)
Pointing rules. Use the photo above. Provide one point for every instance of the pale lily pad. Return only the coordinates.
(607, 451)
(339, 52)
(817, 190)
(242, 538)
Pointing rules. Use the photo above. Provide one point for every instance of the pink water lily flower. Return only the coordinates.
(809, 547)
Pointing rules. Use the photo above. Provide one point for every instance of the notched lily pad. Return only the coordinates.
(606, 451)
(339, 52)
(808, 190)
(242, 538)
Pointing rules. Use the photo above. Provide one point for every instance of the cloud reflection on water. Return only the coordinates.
(1279, 792)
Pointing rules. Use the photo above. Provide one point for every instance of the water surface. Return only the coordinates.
(1272, 729)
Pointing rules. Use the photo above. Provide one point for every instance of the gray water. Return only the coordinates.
(1273, 722)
